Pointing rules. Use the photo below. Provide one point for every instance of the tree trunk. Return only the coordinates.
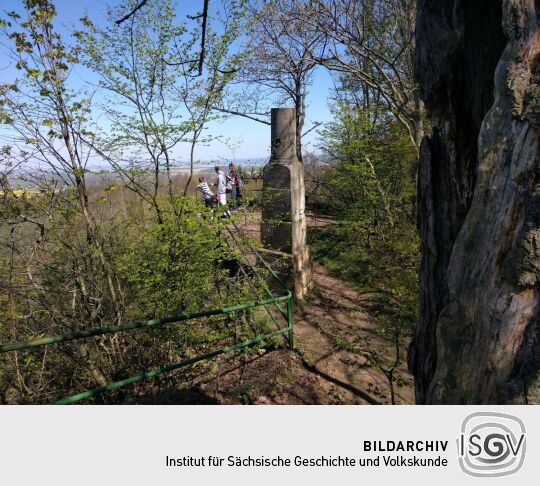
(479, 200)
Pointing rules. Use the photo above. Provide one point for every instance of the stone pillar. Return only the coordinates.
(283, 214)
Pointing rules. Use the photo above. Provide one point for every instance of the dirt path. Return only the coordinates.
(334, 331)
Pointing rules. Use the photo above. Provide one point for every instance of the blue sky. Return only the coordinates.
(252, 139)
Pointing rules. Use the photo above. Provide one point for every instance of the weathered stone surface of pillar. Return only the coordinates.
(283, 215)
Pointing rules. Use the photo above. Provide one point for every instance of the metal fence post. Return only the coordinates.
(290, 323)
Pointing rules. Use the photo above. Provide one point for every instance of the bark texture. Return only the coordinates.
(478, 66)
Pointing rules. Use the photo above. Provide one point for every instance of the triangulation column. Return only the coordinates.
(283, 214)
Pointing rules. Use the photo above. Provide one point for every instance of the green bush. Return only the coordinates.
(177, 267)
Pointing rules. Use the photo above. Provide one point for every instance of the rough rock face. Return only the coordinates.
(478, 65)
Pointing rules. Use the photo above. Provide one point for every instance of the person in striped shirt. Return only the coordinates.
(209, 198)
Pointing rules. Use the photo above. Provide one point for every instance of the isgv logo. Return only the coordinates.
(491, 444)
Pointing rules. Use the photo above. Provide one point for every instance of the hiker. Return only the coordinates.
(237, 186)
(221, 194)
(209, 199)
(239, 189)
(232, 185)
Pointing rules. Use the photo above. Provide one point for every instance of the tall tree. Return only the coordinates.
(478, 200)
(46, 123)
(158, 97)
(145, 116)
(278, 63)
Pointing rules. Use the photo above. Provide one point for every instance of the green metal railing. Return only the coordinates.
(273, 300)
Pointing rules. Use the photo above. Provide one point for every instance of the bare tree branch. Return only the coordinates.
(203, 35)
(127, 16)
(238, 113)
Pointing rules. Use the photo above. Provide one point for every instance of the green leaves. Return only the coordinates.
(175, 266)
(13, 15)
(369, 167)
